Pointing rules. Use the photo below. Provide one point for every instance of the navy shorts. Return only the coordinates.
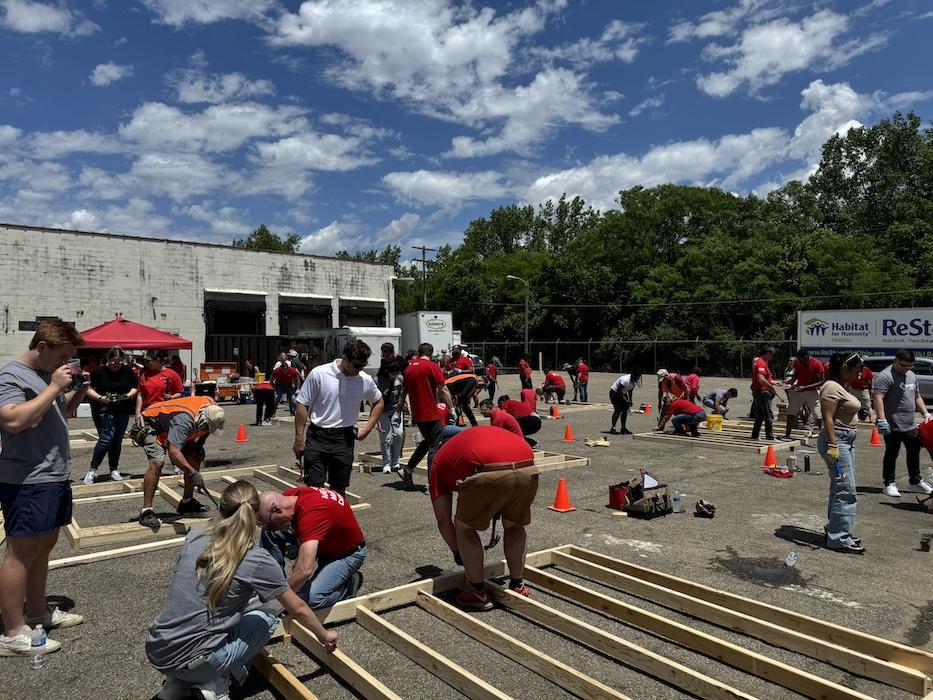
(32, 510)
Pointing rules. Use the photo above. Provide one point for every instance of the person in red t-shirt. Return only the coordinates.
(683, 414)
(331, 547)
(422, 383)
(286, 380)
(553, 385)
(524, 414)
(762, 393)
(692, 385)
(178, 367)
(583, 380)
(461, 382)
(500, 418)
(157, 383)
(493, 472)
(524, 372)
(492, 374)
(803, 390)
(862, 387)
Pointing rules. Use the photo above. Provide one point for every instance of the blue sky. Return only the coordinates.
(359, 123)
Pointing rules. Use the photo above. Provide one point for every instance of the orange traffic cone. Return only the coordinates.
(647, 409)
(561, 498)
(241, 434)
(555, 411)
(568, 435)
(770, 460)
(875, 438)
(460, 422)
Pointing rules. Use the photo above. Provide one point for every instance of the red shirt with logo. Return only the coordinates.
(680, 407)
(583, 373)
(325, 516)
(285, 376)
(809, 372)
(466, 452)
(421, 379)
(154, 385)
(502, 419)
(554, 379)
(760, 366)
(863, 380)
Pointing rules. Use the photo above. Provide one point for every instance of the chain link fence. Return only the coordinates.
(721, 358)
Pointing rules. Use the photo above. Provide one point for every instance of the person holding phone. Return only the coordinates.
(113, 396)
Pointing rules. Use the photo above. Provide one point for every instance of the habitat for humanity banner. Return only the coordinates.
(866, 329)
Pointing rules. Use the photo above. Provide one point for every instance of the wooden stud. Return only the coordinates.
(274, 480)
(128, 532)
(621, 650)
(858, 663)
(106, 497)
(751, 662)
(281, 678)
(439, 665)
(169, 494)
(557, 672)
(349, 495)
(707, 441)
(878, 647)
(351, 672)
(73, 533)
(114, 553)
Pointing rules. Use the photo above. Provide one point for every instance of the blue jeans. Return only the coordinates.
(110, 430)
(723, 408)
(333, 579)
(389, 442)
(684, 421)
(289, 391)
(235, 655)
(581, 391)
(840, 512)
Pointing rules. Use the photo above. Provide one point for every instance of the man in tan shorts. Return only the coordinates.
(493, 472)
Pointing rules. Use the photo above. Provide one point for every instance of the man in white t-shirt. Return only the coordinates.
(327, 409)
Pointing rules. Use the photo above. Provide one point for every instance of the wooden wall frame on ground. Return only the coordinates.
(79, 439)
(722, 441)
(371, 462)
(857, 653)
(172, 531)
(745, 428)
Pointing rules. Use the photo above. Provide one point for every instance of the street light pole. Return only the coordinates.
(525, 282)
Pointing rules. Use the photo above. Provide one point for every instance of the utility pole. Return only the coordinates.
(424, 270)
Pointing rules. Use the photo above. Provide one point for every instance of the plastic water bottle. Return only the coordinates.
(791, 560)
(39, 638)
(678, 504)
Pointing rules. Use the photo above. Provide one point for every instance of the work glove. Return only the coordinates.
(832, 454)
(884, 427)
(198, 481)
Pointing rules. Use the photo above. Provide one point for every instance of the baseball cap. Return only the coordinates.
(214, 417)
(293, 353)
(663, 374)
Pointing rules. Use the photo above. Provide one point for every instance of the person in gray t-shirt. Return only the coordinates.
(718, 400)
(211, 628)
(36, 398)
(897, 400)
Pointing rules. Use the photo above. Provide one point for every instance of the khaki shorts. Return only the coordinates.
(796, 400)
(509, 492)
(154, 451)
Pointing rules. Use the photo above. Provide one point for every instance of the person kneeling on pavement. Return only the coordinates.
(212, 625)
(320, 523)
(683, 415)
(718, 400)
(492, 470)
(179, 427)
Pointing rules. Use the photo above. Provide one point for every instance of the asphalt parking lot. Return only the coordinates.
(759, 520)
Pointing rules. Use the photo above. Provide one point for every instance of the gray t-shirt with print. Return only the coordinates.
(900, 397)
(184, 630)
(721, 394)
(41, 453)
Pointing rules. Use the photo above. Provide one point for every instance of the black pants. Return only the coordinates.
(560, 391)
(491, 388)
(433, 434)
(620, 408)
(761, 408)
(529, 425)
(464, 395)
(892, 448)
(526, 382)
(329, 456)
(265, 404)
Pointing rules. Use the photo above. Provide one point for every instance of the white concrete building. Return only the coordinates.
(231, 303)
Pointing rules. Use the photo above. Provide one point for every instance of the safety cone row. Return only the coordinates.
(568, 434)
(562, 498)
(875, 438)
(770, 460)
(241, 434)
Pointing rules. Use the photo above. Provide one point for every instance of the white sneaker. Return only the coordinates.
(89, 477)
(891, 490)
(266, 423)
(387, 469)
(115, 475)
(174, 689)
(218, 689)
(178, 472)
(920, 487)
(20, 644)
(55, 618)
(396, 467)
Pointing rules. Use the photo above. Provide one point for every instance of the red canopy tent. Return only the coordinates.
(132, 336)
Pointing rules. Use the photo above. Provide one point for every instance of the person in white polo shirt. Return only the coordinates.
(326, 414)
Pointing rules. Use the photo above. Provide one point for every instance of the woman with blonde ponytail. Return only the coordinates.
(212, 626)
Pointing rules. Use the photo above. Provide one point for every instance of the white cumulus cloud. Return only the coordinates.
(445, 189)
(107, 73)
(30, 17)
(177, 13)
(620, 41)
(195, 84)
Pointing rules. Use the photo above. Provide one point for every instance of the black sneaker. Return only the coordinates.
(148, 519)
(358, 576)
(191, 506)
(405, 475)
(613, 431)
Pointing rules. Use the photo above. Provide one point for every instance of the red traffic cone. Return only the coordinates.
(770, 460)
(875, 438)
(647, 409)
(561, 498)
(568, 434)
(241, 434)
